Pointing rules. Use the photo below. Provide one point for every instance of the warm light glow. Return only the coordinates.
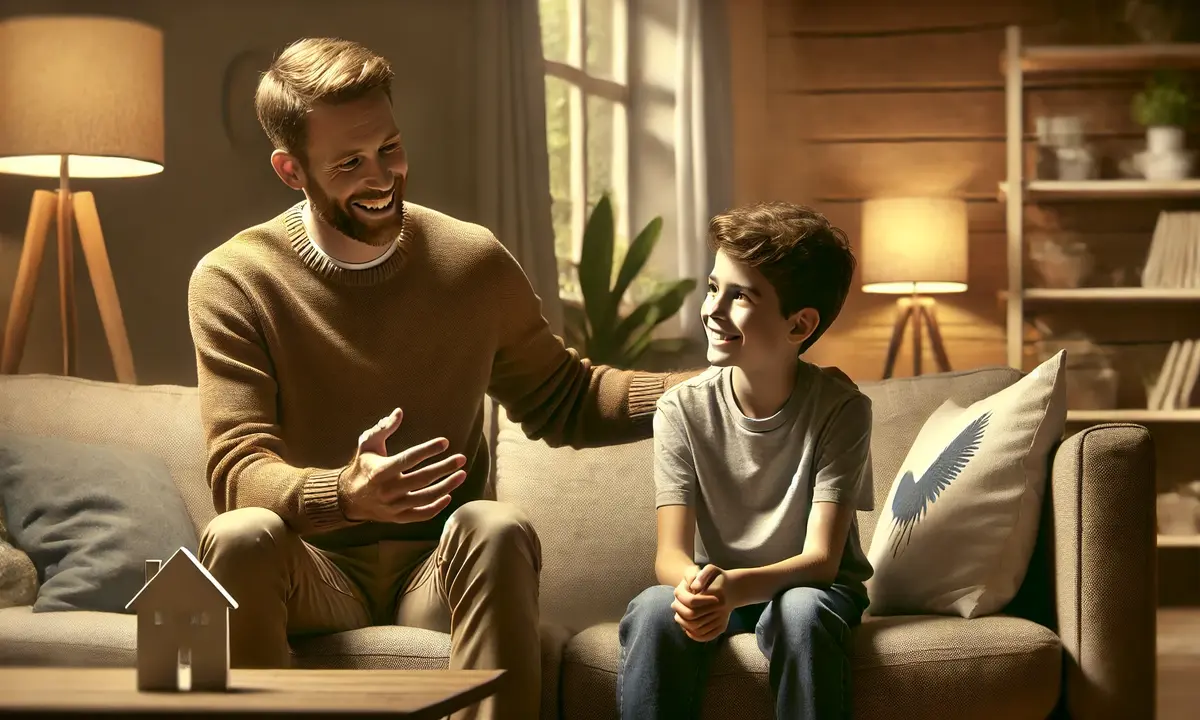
(919, 288)
(89, 87)
(78, 166)
(914, 245)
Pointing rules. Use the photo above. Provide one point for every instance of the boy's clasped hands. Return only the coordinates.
(704, 599)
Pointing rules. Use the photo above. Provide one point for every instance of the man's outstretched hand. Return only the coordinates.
(385, 488)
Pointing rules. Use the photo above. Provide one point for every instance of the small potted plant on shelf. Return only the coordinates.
(1164, 107)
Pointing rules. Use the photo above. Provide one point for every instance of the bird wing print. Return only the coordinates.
(912, 499)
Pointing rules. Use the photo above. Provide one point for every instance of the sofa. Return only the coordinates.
(1077, 641)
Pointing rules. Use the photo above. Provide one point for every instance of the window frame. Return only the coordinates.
(580, 86)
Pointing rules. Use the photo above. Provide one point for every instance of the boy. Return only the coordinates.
(761, 462)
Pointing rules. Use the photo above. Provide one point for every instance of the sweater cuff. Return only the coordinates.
(321, 500)
(644, 391)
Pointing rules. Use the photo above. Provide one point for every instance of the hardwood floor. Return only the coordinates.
(1178, 663)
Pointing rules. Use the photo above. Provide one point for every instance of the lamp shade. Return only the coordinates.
(914, 245)
(90, 88)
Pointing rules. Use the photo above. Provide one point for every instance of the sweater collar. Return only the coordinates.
(320, 263)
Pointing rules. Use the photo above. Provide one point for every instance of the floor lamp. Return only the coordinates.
(80, 97)
(915, 247)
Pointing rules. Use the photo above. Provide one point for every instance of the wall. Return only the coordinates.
(158, 227)
(842, 100)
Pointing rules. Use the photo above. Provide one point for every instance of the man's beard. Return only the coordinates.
(343, 219)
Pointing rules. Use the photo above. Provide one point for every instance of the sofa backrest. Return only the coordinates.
(594, 511)
(161, 420)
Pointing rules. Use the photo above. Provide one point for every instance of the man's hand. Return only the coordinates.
(379, 487)
(703, 602)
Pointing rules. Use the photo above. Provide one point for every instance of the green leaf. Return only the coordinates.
(635, 259)
(576, 326)
(646, 313)
(654, 311)
(673, 298)
(658, 346)
(669, 345)
(637, 350)
(595, 267)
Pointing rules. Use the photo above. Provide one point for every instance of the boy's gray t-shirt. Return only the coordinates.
(752, 481)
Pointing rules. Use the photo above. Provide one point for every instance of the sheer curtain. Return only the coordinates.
(680, 136)
(513, 180)
(703, 141)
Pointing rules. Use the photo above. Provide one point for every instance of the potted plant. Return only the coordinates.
(1164, 107)
(597, 328)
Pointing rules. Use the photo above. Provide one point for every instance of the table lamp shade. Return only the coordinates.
(87, 87)
(914, 245)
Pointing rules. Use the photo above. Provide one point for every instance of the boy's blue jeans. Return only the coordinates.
(803, 633)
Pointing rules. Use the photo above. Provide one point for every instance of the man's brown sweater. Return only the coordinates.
(297, 356)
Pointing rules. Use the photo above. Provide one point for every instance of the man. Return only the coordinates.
(352, 306)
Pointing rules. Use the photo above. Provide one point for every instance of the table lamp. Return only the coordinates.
(916, 247)
(80, 97)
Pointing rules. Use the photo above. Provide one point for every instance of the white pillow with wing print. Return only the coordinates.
(958, 529)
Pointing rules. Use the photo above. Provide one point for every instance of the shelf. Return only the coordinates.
(1112, 294)
(1134, 415)
(1108, 58)
(1107, 189)
(1179, 541)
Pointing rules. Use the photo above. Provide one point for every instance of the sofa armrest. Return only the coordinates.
(1104, 555)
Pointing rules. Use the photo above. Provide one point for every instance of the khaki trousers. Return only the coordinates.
(479, 582)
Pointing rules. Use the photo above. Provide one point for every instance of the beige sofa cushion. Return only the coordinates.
(81, 638)
(593, 511)
(163, 420)
(993, 667)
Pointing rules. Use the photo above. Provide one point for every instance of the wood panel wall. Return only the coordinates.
(869, 98)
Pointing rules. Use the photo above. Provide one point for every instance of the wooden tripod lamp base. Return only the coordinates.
(71, 209)
(916, 311)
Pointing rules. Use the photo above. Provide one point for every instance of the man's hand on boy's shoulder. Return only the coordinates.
(836, 373)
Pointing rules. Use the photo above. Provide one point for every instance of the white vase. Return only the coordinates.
(1164, 139)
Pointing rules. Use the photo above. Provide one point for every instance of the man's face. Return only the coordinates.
(356, 168)
(742, 318)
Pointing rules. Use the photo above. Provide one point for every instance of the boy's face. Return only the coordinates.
(743, 320)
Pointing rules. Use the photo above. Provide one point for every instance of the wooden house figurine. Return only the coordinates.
(183, 612)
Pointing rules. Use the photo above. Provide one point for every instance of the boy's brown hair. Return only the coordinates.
(312, 71)
(806, 259)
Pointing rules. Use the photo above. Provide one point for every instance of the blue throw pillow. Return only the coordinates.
(89, 516)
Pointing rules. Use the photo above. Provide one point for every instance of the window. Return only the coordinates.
(587, 105)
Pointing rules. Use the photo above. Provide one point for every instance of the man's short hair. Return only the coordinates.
(806, 259)
(312, 71)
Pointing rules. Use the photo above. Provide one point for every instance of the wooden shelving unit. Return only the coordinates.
(1133, 415)
(1019, 61)
(1061, 190)
(1111, 294)
(1016, 191)
(1179, 541)
(1105, 58)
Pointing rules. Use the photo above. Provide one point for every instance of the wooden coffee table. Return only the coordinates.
(409, 694)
